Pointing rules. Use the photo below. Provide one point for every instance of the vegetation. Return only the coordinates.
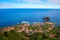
(37, 31)
(13, 35)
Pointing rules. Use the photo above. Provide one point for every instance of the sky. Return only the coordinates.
(30, 4)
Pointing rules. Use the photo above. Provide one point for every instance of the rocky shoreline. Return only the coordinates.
(47, 29)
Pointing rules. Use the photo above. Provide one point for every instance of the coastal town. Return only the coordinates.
(25, 31)
(31, 29)
(25, 26)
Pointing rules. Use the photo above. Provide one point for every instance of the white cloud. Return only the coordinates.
(2, 5)
(31, 0)
(17, 0)
(40, 1)
(28, 1)
(29, 6)
(54, 1)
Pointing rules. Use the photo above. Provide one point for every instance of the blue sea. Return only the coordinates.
(9, 17)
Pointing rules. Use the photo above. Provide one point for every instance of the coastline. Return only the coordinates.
(47, 29)
(16, 23)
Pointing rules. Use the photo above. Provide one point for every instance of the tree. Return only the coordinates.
(5, 33)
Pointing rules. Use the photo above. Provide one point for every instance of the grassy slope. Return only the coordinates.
(12, 35)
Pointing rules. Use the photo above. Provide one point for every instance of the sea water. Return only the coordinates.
(9, 17)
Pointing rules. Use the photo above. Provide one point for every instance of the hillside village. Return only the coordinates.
(22, 27)
(36, 31)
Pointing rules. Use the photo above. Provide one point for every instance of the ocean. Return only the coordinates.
(9, 17)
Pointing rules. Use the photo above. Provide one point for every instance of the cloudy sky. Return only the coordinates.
(30, 4)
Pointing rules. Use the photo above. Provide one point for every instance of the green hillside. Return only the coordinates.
(13, 35)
